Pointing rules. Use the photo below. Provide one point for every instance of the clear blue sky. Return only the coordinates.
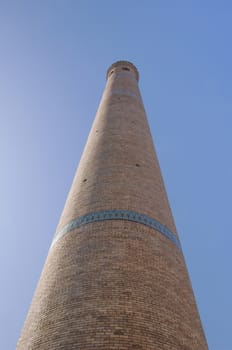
(54, 56)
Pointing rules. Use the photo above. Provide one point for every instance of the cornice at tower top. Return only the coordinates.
(124, 66)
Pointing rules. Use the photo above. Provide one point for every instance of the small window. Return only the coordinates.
(125, 68)
(111, 72)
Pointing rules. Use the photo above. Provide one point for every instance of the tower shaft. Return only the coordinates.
(115, 276)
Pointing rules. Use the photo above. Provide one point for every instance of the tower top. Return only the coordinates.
(122, 66)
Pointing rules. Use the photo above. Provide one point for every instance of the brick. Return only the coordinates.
(115, 284)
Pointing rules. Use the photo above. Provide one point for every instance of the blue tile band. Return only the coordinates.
(117, 215)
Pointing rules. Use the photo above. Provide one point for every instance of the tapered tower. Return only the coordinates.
(115, 276)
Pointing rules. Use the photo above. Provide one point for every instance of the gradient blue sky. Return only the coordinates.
(54, 56)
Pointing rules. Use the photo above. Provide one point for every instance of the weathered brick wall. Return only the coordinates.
(115, 284)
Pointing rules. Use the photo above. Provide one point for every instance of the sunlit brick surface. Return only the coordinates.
(115, 284)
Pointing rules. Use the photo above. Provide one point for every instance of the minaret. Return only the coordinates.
(115, 276)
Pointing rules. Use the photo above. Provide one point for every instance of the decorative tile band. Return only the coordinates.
(118, 215)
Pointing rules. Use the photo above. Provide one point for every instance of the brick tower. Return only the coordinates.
(115, 276)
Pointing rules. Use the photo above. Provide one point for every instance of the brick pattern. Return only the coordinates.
(115, 284)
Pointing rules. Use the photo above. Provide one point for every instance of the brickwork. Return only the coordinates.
(115, 284)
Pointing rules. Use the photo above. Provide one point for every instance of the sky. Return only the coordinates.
(54, 57)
